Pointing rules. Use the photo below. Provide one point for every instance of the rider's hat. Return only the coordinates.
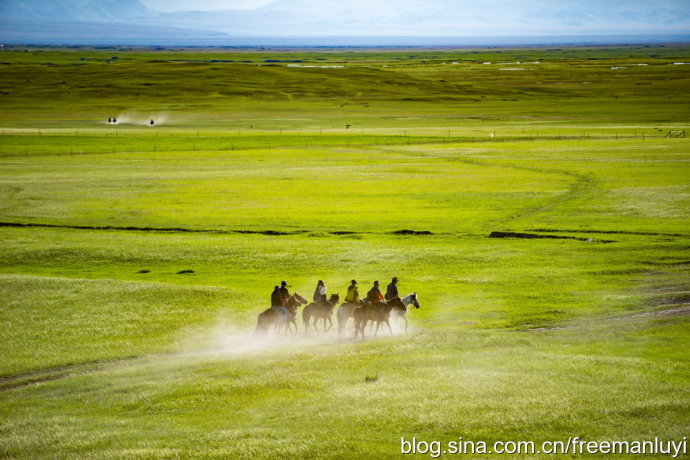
(395, 278)
(283, 283)
(353, 281)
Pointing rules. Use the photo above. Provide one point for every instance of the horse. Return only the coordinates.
(407, 300)
(276, 317)
(320, 310)
(293, 303)
(345, 312)
(378, 312)
(280, 317)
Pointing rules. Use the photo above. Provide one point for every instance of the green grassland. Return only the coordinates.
(134, 259)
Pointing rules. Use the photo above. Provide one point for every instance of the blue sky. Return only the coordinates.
(434, 17)
(203, 5)
(375, 18)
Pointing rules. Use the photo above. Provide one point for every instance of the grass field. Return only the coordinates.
(135, 259)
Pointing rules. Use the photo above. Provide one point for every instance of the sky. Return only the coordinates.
(203, 5)
(445, 17)
(344, 18)
(429, 17)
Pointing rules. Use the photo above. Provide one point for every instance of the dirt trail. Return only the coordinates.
(678, 310)
(245, 343)
(11, 382)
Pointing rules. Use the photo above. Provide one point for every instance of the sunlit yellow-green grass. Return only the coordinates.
(134, 260)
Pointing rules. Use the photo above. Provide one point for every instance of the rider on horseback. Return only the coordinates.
(276, 298)
(352, 293)
(392, 289)
(284, 293)
(374, 295)
(320, 292)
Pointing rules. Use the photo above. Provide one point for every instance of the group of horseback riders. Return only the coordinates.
(375, 307)
(113, 121)
(280, 294)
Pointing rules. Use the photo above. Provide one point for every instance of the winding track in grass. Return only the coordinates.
(13, 382)
(682, 310)
(582, 184)
(49, 374)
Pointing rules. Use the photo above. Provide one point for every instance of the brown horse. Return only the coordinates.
(410, 299)
(320, 310)
(293, 303)
(378, 312)
(280, 318)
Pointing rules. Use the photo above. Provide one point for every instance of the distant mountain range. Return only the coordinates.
(89, 22)
(86, 21)
(75, 10)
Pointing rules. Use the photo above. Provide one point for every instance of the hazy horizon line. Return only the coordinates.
(315, 41)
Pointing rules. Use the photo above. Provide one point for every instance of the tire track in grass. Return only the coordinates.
(34, 377)
(49, 374)
(677, 310)
(582, 184)
(248, 343)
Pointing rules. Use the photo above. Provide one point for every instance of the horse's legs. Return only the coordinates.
(389, 326)
(278, 327)
(404, 315)
(330, 323)
(305, 320)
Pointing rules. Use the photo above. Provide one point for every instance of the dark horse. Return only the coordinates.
(279, 318)
(293, 303)
(320, 310)
(378, 312)
(274, 317)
